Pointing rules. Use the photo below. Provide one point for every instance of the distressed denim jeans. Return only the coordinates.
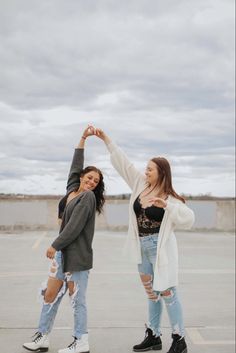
(155, 298)
(78, 298)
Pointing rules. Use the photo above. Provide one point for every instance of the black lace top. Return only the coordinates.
(149, 219)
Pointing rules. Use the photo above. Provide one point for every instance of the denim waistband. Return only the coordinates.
(148, 235)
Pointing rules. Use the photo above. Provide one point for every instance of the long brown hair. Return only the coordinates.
(100, 188)
(165, 178)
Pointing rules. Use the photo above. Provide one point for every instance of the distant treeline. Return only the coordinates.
(108, 197)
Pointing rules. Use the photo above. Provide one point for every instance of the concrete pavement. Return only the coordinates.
(117, 308)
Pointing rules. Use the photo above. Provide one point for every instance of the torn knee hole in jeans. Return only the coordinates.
(43, 290)
(68, 276)
(168, 296)
(53, 268)
(167, 293)
(147, 283)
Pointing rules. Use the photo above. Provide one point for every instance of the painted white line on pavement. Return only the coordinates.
(196, 338)
(208, 271)
(104, 273)
(39, 240)
(22, 274)
(184, 271)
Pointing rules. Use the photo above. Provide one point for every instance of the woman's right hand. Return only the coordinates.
(50, 253)
(101, 134)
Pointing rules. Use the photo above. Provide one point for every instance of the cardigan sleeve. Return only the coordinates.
(79, 217)
(75, 169)
(123, 166)
(180, 214)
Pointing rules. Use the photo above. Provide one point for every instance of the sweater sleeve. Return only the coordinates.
(79, 217)
(75, 169)
(180, 214)
(123, 166)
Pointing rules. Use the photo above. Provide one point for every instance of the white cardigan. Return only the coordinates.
(177, 214)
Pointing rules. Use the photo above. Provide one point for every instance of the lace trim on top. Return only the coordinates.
(146, 225)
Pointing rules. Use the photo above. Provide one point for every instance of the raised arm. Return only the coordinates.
(77, 164)
(120, 161)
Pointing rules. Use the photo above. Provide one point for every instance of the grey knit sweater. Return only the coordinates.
(78, 221)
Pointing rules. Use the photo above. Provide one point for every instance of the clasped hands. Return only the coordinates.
(92, 131)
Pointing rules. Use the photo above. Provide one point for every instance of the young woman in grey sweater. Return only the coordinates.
(71, 253)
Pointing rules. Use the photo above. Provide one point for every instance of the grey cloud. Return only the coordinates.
(71, 55)
(157, 78)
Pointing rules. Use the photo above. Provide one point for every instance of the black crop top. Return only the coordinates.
(149, 219)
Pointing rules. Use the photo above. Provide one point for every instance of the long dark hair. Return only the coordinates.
(100, 188)
(165, 178)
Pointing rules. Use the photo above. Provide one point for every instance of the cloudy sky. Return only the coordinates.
(157, 76)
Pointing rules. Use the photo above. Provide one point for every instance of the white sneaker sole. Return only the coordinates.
(42, 349)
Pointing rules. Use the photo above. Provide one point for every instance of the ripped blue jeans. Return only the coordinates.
(155, 299)
(78, 299)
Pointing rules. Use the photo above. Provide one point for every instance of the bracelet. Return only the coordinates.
(83, 137)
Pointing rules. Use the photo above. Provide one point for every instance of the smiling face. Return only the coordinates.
(151, 173)
(89, 181)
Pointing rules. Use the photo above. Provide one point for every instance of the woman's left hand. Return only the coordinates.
(50, 253)
(158, 202)
(89, 131)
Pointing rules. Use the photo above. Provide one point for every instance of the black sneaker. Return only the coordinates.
(150, 343)
(178, 345)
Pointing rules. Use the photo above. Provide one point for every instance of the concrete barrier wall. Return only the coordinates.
(33, 214)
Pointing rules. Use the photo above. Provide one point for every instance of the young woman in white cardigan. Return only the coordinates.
(155, 211)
